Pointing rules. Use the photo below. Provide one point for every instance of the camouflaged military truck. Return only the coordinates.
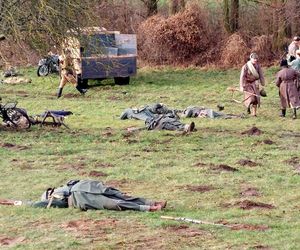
(103, 54)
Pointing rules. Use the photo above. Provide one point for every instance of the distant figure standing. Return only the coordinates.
(250, 79)
(286, 81)
(293, 47)
(295, 64)
(68, 72)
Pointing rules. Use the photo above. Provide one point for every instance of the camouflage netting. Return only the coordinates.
(178, 40)
(16, 54)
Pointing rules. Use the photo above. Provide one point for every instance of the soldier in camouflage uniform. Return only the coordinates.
(69, 70)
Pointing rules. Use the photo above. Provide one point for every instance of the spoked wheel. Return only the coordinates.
(18, 118)
(43, 70)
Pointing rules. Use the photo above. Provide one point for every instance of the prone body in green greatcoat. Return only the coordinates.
(202, 112)
(168, 122)
(147, 111)
(93, 194)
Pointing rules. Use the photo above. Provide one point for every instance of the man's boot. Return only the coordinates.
(254, 109)
(59, 92)
(283, 113)
(294, 113)
(82, 91)
(249, 110)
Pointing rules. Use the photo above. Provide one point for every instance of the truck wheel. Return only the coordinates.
(122, 80)
(82, 83)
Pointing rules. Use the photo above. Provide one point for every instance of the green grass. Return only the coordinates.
(153, 164)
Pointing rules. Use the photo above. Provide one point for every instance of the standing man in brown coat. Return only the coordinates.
(286, 81)
(250, 80)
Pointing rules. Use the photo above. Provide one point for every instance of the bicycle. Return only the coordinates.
(13, 116)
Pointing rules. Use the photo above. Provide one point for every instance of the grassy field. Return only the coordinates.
(261, 196)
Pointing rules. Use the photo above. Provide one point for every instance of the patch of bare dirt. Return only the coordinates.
(268, 142)
(113, 98)
(261, 247)
(107, 132)
(246, 162)
(247, 205)
(90, 228)
(150, 150)
(250, 191)
(104, 165)
(131, 141)
(249, 227)
(74, 166)
(252, 131)
(69, 95)
(200, 188)
(13, 146)
(95, 173)
(10, 242)
(200, 164)
(294, 161)
(217, 168)
(186, 231)
(224, 167)
(118, 183)
(162, 141)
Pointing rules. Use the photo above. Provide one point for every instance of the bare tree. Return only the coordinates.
(231, 15)
(151, 6)
(37, 20)
(176, 6)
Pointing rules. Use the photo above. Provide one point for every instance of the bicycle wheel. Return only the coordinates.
(18, 118)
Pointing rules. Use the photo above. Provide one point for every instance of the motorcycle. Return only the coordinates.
(47, 65)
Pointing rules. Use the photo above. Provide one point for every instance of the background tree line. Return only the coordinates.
(44, 23)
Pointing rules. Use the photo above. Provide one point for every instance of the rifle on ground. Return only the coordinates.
(193, 221)
(10, 202)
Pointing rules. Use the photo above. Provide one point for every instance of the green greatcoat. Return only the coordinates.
(146, 112)
(164, 122)
(193, 111)
(90, 194)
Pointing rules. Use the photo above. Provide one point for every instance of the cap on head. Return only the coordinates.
(283, 63)
(296, 38)
(253, 56)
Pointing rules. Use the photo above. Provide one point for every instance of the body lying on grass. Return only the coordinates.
(202, 112)
(157, 117)
(147, 111)
(90, 194)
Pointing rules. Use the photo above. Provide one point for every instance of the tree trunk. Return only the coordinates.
(226, 11)
(176, 6)
(234, 16)
(296, 19)
(231, 15)
(279, 22)
(151, 6)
